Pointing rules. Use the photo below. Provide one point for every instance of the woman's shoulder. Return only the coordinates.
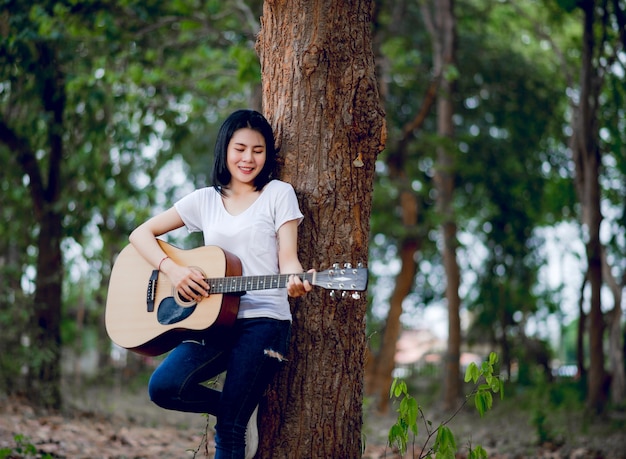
(203, 193)
(278, 186)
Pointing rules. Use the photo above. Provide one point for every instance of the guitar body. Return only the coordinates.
(144, 316)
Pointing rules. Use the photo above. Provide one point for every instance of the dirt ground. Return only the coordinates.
(111, 424)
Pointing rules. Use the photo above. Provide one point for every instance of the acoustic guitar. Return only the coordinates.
(145, 314)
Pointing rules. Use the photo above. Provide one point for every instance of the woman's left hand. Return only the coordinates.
(296, 287)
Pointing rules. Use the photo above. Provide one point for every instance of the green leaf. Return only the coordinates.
(479, 403)
(472, 373)
(392, 389)
(445, 443)
(478, 453)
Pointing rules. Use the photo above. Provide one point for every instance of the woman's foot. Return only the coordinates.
(252, 435)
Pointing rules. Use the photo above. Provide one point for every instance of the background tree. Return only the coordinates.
(441, 23)
(506, 118)
(87, 91)
(321, 95)
(395, 184)
(600, 46)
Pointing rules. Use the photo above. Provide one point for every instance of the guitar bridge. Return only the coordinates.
(151, 292)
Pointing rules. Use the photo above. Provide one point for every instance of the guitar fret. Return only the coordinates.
(242, 284)
(238, 284)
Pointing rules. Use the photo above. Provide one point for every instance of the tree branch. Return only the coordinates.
(27, 160)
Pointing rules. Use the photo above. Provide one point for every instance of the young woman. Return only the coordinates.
(255, 217)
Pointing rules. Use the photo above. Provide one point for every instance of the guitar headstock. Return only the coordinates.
(346, 278)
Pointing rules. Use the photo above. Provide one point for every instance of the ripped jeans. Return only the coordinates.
(251, 356)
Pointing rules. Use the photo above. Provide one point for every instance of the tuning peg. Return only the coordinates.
(356, 296)
(332, 294)
(344, 294)
(347, 265)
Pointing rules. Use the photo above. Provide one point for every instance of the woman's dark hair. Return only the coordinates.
(238, 120)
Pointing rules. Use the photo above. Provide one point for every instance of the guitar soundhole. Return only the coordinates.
(170, 312)
(182, 301)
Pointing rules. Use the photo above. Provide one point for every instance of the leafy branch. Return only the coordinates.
(444, 446)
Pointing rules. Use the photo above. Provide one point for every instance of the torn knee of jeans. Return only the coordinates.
(275, 355)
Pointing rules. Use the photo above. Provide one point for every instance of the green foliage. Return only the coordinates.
(477, 452)
(483, 395)
(130, 93)
(23, 449)
(569, 5)
(407, 416)
(550, 404)
(444, 446)
(512, 169)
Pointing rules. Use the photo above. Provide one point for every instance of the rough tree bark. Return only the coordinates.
(321, 96)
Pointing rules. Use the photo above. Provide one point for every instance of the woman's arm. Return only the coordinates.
(189, 283)
(288, 260)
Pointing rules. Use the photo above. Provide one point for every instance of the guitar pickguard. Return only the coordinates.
(170, 312)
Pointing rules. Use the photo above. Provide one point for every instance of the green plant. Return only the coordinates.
(444, 446)
(23, 449)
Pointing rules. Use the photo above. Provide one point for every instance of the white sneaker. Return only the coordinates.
(252, 435)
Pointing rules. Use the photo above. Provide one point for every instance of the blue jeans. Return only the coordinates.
(251, 356)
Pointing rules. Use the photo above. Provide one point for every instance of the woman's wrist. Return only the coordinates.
(161, 262)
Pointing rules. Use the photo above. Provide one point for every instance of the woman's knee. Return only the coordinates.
(161, 391)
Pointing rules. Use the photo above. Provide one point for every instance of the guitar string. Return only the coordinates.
(245, 283)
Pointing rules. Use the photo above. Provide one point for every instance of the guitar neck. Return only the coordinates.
(238, 284)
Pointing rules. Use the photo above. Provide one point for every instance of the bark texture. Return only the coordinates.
(321, 96)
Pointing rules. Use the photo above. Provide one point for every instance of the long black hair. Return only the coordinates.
(238, 120)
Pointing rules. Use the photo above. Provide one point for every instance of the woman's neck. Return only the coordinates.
(237, 190)
(237, 199)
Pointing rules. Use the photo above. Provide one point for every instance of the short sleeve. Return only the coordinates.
(188, 208)
(286, 206)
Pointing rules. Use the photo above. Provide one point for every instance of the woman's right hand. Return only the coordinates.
(189, 283)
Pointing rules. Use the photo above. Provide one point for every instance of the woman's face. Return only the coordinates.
(245, 156)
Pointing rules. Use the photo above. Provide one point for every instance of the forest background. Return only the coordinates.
(500, 226)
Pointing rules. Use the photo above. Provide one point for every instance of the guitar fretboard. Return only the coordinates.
(236, 284)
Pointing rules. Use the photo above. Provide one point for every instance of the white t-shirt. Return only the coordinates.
(251, 235)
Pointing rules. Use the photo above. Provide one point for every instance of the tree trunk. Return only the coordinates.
(587, 160)
(45, 366)
(321, 96)
(580, 335)
(384, 362)
(380, 365)
(441, 24)
(616, 348)
(44, 377)
(596, 397)
(13, 323)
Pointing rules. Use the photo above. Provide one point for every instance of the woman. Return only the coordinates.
(255, 217)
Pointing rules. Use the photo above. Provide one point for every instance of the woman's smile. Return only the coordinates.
(245, 156)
